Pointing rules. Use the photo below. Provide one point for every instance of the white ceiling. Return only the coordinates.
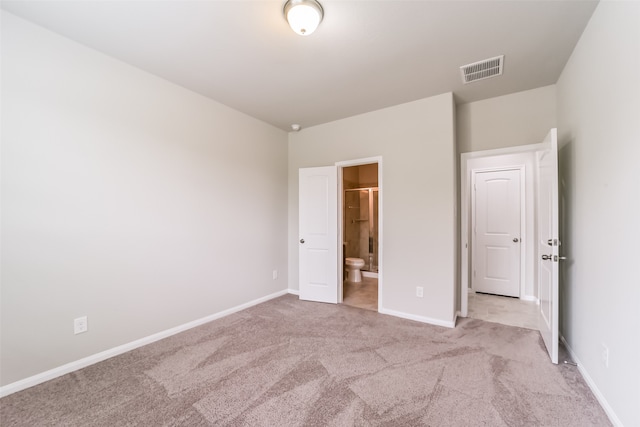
(365, 55)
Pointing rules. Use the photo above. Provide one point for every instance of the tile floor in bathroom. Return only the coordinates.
(504, 310)
(361, 295)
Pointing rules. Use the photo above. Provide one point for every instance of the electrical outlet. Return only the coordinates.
(80, 325)
(605, 355)
(419, 291)
(275, 274)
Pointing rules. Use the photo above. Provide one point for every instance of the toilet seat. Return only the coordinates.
(354, 262)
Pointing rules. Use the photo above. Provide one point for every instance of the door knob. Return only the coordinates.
(516, 240)
(301, 240)
(546, 257)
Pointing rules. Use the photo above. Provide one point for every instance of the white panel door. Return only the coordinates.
(548, 242)
(496, 251)
(318, 234)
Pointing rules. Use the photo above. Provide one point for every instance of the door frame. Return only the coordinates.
(523, 219)
(340, 166)
(467, 165)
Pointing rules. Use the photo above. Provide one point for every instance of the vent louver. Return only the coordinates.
(482, 69)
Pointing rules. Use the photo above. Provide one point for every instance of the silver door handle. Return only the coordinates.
(546, 257)
(515, 240)
(301, 240)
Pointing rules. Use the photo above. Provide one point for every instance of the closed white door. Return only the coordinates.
(548, 243)
(496, 248)
(318, 234)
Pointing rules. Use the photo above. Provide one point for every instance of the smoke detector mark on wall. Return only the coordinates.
(482, 69)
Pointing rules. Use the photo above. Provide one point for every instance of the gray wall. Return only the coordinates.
(520, 118)
(127, 199)
(599, 133)
(416, 142)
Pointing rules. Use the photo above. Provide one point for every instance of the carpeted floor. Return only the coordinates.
(287, 362)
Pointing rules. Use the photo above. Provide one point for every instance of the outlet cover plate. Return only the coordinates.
(80, 325)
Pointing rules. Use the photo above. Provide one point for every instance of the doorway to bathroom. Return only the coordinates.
(360, 235)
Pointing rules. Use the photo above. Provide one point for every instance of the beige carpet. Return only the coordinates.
(288, 363)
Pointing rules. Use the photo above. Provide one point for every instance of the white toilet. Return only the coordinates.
(353, 267)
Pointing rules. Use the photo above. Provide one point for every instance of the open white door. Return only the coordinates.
(318, 234)
(548, 242)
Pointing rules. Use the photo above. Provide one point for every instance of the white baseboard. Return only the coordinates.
(293, 291)
(115, 351)
(423, 319)
(592, 385)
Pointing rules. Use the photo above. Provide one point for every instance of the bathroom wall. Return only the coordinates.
(127, 199)
(357, 216)
(368, 175)
(416, 142)
(351, 177)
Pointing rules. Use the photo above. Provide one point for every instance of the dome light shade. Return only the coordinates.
(303, 16)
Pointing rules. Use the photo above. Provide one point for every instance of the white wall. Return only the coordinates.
(599, 133)
(127, 199)
(416, 142)
(505, 121)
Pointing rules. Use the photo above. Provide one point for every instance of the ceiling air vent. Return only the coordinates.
(482, 69)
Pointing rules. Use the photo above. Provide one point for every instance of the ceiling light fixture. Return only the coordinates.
(303, 16)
